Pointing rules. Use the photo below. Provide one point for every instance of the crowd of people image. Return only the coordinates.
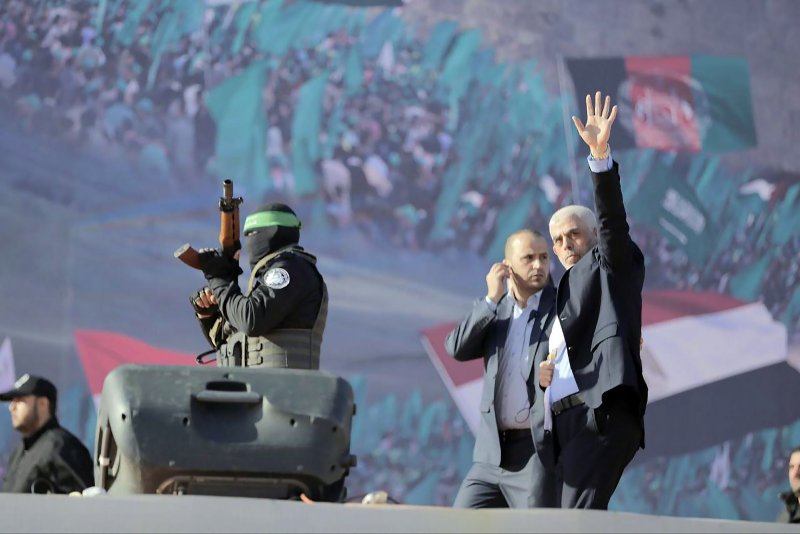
(390, 152)
(408, 142)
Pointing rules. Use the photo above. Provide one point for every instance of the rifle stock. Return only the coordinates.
(228, 229)
(188, 255)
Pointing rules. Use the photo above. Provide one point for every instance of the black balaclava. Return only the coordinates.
(269, 228)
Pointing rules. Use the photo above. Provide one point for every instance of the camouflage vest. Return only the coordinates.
(293, 348)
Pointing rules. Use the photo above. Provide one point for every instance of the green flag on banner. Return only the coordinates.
(166, 33)
(280, 29)
(384, 27)
(668, 204)
(242, 22)
(724, 81)
(792, 313)
(453, 182)
(473, 143)
(330, 19)
(742, 209)
(412, 412)
(133, 17)
(464, 453)
(100, 14)
(237, 108)
(511, 218)
(191, 15)
(456, 70)
(353, 70)
(712, 187)
(746, 284)
(306, 149)
(786, 217)
(432, 418)
(437, 43)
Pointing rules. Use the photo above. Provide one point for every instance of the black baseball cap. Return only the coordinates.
(31, 385)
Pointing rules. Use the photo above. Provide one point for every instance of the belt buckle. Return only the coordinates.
(563, 404)
(507, 435)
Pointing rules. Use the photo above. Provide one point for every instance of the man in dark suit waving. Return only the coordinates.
(595, 386)
(508, 329)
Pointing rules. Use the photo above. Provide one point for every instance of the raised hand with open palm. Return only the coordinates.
(598, 125)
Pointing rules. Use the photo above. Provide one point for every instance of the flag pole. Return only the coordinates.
(564, 94)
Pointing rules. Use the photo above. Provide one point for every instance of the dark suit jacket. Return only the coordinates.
(482, 334)
(599, 303)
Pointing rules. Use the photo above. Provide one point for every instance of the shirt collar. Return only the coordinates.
(532, 304)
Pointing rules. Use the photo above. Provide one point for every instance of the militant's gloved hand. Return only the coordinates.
(204, 303)
(214, 264)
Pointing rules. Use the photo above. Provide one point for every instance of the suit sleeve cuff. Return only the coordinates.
(600, 165)
(490, 304)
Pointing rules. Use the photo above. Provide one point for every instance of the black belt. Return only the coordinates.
(514, 434)
(570, 401)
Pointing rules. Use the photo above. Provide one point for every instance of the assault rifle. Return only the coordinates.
(228, 228)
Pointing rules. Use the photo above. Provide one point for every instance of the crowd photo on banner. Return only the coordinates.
(403, 148)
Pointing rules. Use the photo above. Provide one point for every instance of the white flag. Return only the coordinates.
(760, 187)
(7, 372)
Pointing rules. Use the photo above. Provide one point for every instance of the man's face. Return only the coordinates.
(571, 240)
(794, 472)
(25, 414)
(529, 258)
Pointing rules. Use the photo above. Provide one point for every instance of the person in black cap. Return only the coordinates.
(280, 320)
(50, 459)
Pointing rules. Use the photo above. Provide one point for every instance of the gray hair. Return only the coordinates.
(584, 214)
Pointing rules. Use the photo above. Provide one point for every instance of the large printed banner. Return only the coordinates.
(687, 103)
(406, 152)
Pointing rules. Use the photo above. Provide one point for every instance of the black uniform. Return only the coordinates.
(280, 319)
(279, 322)
(269, 306)
(52, 458)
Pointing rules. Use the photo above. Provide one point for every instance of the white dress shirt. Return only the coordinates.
(563, 383)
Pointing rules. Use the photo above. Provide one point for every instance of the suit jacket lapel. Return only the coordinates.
(543, 316)
(504, 310)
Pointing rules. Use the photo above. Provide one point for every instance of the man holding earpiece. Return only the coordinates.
(509, 328)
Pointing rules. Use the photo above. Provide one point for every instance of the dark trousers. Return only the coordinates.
(521, 481)
(593, 448)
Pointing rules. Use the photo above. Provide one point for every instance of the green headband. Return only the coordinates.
(263, 219)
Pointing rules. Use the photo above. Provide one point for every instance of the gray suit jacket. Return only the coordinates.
(482, 334)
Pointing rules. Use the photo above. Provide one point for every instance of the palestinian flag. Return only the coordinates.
(464, 380)
(716, 367)
(101, 352)
(673, 103)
